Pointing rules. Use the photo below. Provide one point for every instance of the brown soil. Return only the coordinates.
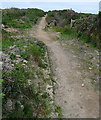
(72, 95)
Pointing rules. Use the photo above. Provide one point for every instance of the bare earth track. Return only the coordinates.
(75, 100)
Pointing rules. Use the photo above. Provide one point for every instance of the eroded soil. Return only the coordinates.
(76, 98)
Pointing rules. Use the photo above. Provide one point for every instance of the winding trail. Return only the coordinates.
(75, 100)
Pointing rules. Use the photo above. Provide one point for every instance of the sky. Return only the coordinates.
(50, 0)
(100, 6)
(87, 6)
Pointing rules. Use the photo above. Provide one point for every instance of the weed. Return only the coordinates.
(25, 55)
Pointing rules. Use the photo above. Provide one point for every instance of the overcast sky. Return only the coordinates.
(88, 6)
(50, 0)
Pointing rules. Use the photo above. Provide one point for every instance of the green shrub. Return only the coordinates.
(86, 26)
(25, 55)
(21, 18)
(38, 53)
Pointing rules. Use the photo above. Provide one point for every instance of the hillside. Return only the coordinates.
(21, 18)
(84, 27)
(26, 71)
(50, 67)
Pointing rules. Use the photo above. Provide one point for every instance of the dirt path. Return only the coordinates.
(75, 99)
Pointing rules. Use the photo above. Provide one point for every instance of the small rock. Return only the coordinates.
(23, 64)
(80, 94)
(25, 61)
(7, 66)
(49, 89)
(17, 61)
(12, 65)
(29, 82)
(97, 52)
(12, 47)
(22, 107)
(25, 46)
(18, 56)
(51, 102)
(94, 80)
(90, 68)
(3, 26)
(33, 66)
(0, 52)
(82, 85)
(87, 45)
(1, 63)
(9, 105)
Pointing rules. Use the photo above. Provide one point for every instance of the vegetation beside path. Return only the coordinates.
(85, 26)
(27, 79)
(82, 39)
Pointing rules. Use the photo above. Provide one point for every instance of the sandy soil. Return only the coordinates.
(71, 94)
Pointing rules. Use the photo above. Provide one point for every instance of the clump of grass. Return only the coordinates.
(25, 55)
(59, 111)
(7, 40)
(65, 32)
(12, 56)
(38, 53)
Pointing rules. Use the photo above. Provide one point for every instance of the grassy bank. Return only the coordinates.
(21, 18)
(85, 27)
(83, 42)
(25, 75)
(70, 33)
(27, 79)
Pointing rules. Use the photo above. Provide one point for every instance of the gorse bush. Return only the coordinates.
(62, 17)
(85, 27)
(88, 28)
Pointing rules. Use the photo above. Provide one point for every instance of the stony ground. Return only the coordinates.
(75, 93)
(27, 79)
(75, 67)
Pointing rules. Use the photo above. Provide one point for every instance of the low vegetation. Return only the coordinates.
(21, 18)
(82, 39)
(27, 79)
(85, 27)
